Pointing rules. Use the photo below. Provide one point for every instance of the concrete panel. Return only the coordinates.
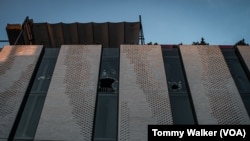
(245, 54)
(17, 64)
(143, 92)
(215, 96)
(68, 111)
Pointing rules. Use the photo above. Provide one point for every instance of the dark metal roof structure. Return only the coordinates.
(54, 35)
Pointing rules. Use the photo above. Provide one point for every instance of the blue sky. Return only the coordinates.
(164, 21)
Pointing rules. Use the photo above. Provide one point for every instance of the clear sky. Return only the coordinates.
(164, 21)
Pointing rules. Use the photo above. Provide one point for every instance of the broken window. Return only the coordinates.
(180, 99)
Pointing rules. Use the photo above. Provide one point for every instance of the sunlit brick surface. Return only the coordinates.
(215, 96)
(143, 94)
(17, 64)
(68, 112)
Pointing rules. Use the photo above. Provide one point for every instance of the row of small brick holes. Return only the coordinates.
(145, 80)
(224, 110)
(77, 76)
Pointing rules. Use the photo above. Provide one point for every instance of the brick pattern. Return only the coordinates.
(17, 64)
(143, 91)
(68, 112)
(79, 90)
(212, 86)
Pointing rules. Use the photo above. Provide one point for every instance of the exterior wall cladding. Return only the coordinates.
(144, 95)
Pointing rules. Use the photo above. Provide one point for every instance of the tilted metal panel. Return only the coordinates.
(101, 34)
(116, 34)
(56, 35)
(68, 111)
(107, 34)
(13, 30)
(17, 64)
(69, 34)
(132, 31)
(143, 91)
(40, 34)
(85, 33)
(214, 93)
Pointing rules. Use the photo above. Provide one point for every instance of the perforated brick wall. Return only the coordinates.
(143, 93)
(214, 93)
(17, 64)
(68, 112)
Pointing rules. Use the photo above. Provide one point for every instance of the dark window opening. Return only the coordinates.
(180, 98)
(239, 74)
(175, 85)
(31, 114)
(108, 85)
(106, 114)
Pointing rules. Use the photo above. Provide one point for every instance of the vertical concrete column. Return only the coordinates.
(17, 64)
(68, 112)
(244, 52)
(143, 91)
(215, 96)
